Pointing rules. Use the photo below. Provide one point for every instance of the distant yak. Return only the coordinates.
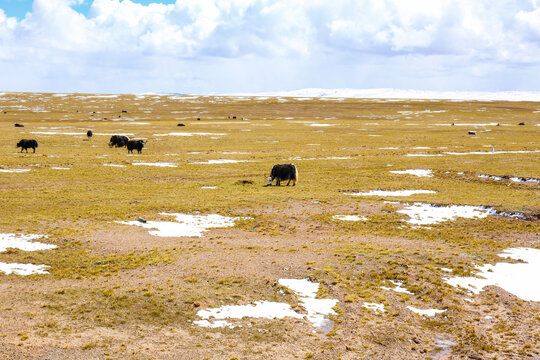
(19, 125)
(25, 144)
(89, 134)
(135, 145)
(282, 172)
(118, 141)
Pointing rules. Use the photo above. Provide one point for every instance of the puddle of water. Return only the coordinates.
(444, 348)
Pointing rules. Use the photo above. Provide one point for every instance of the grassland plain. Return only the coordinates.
(115, 291)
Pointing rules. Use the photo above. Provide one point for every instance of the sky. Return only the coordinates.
(232, 46)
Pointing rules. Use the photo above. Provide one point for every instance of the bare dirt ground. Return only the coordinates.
(238, 257)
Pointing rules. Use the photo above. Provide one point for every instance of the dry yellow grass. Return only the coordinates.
(110, 283)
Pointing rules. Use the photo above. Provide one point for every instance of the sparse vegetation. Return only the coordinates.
(115, 291)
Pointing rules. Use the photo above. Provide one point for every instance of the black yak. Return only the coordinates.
(118, 141)
(25, 144)
(283, 172)
(135, 145)
(89, 134)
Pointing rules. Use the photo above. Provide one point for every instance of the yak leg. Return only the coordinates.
(34, 149)
(278, 182)
(288, 182)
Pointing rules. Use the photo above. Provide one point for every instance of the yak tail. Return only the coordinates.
(295, 173)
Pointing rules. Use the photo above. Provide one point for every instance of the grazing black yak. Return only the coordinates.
(135, 145)
(118, 141)
(283, 172)
(89, 134)
(25, 144)
(19, 125)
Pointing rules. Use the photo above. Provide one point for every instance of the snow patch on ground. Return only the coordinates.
(427, 214)
(25, 243)
(520, 279)
(415, 172)
(23, 269)
(317, 309)
(190, 134)
(374, 306)
(397, 288)
(425, 312)
(392, 193)
(158, 164)
(13, 170)
(220, 161)
(350, 218)
(493, 152)
(423, 155)
(185, 225)
(513, 178)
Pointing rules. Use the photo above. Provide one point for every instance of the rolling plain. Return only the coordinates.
(111, 290)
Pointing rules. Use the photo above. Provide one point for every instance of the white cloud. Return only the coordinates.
(438, 44)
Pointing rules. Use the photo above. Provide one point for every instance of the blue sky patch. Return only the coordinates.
(19, 8)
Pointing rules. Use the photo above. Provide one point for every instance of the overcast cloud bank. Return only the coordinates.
(211, 46)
